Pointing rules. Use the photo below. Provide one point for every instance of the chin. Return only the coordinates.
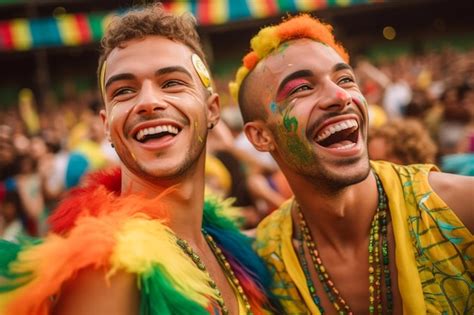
(346, 175)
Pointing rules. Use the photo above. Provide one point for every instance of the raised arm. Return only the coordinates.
(458, 193)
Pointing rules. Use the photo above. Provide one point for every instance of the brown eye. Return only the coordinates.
(122, 92)
(172, 83)
(346, 80)
(303, 87)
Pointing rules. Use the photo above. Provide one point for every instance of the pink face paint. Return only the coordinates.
(342, 95)
(288, 88)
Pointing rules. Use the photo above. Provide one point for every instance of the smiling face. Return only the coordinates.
(316, 116)
(157, 109)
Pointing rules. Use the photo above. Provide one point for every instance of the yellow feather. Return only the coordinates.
(142, 243)
(239, 77)
(265, 41)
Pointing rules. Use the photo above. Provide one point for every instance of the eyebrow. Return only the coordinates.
(292, 76)
(162, 71)
(341, 66)
(173, 69)
(118, 77)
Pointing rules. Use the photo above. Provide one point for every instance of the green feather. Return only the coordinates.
(159, 296)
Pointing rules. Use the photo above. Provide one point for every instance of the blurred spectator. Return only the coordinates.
(402, 142)
(7, 152)
(11, 211)
(28, 186)
(397, 93)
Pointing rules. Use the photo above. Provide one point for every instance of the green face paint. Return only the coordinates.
(282, 47)
(290, 123)
(298, 151)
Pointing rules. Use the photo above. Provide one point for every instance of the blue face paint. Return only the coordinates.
(273, 107)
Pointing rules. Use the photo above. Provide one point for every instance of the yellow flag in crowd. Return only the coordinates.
(28, 111)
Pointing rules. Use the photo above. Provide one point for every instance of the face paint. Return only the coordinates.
(287, 130)
(288, 88)
(297, 151)
(102, 78)
(341, 95)
(282, 48)
(198, 136)
(363, 101)
(202, 72)
(290, 123)
(274, 107)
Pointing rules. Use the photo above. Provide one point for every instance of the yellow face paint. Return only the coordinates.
(202, 72)
(102, 78)
(199, 138)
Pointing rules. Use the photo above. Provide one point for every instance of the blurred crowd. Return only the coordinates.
(421, 110)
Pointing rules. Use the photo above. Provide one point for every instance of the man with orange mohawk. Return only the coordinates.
(359, 237)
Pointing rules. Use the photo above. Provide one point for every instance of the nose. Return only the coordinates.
(150, 99)
(334, 97)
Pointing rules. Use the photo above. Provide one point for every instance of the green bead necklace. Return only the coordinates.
(184, 245)
(377, 239)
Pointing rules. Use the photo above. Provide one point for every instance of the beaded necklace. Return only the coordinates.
(226, 268)
(377, 238)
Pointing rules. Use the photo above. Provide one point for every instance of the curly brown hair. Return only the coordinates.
(407, 141)
(151, 20)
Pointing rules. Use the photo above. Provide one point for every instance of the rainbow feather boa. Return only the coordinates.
(97, 228)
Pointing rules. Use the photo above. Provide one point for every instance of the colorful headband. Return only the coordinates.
(270, 38)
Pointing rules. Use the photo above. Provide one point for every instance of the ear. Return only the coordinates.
(105, 123)
(213, 109)
(259, 135)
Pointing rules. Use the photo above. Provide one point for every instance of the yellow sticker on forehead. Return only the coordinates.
(202, 71)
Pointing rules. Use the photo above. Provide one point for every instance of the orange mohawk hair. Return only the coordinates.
(269, 38)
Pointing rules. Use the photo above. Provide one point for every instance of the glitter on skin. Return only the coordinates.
(198, 136)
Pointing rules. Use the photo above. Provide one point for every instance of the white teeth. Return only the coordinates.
(347, 146)
(154, 130)
(332, 129)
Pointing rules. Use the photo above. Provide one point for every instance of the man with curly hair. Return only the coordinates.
(358, 237)
(142, 239)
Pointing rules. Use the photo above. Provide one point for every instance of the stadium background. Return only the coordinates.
(51, 47)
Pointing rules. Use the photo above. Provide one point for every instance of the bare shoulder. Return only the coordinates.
(90, 293)
(457, 192)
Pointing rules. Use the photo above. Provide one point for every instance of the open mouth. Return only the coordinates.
(158, 132)
(343, 134)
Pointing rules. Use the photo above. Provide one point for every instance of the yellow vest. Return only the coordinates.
(433, 254)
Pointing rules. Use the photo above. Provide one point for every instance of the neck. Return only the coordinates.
(341, 218)
(183, 198)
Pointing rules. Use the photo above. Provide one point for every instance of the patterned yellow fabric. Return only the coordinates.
(434, 251)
